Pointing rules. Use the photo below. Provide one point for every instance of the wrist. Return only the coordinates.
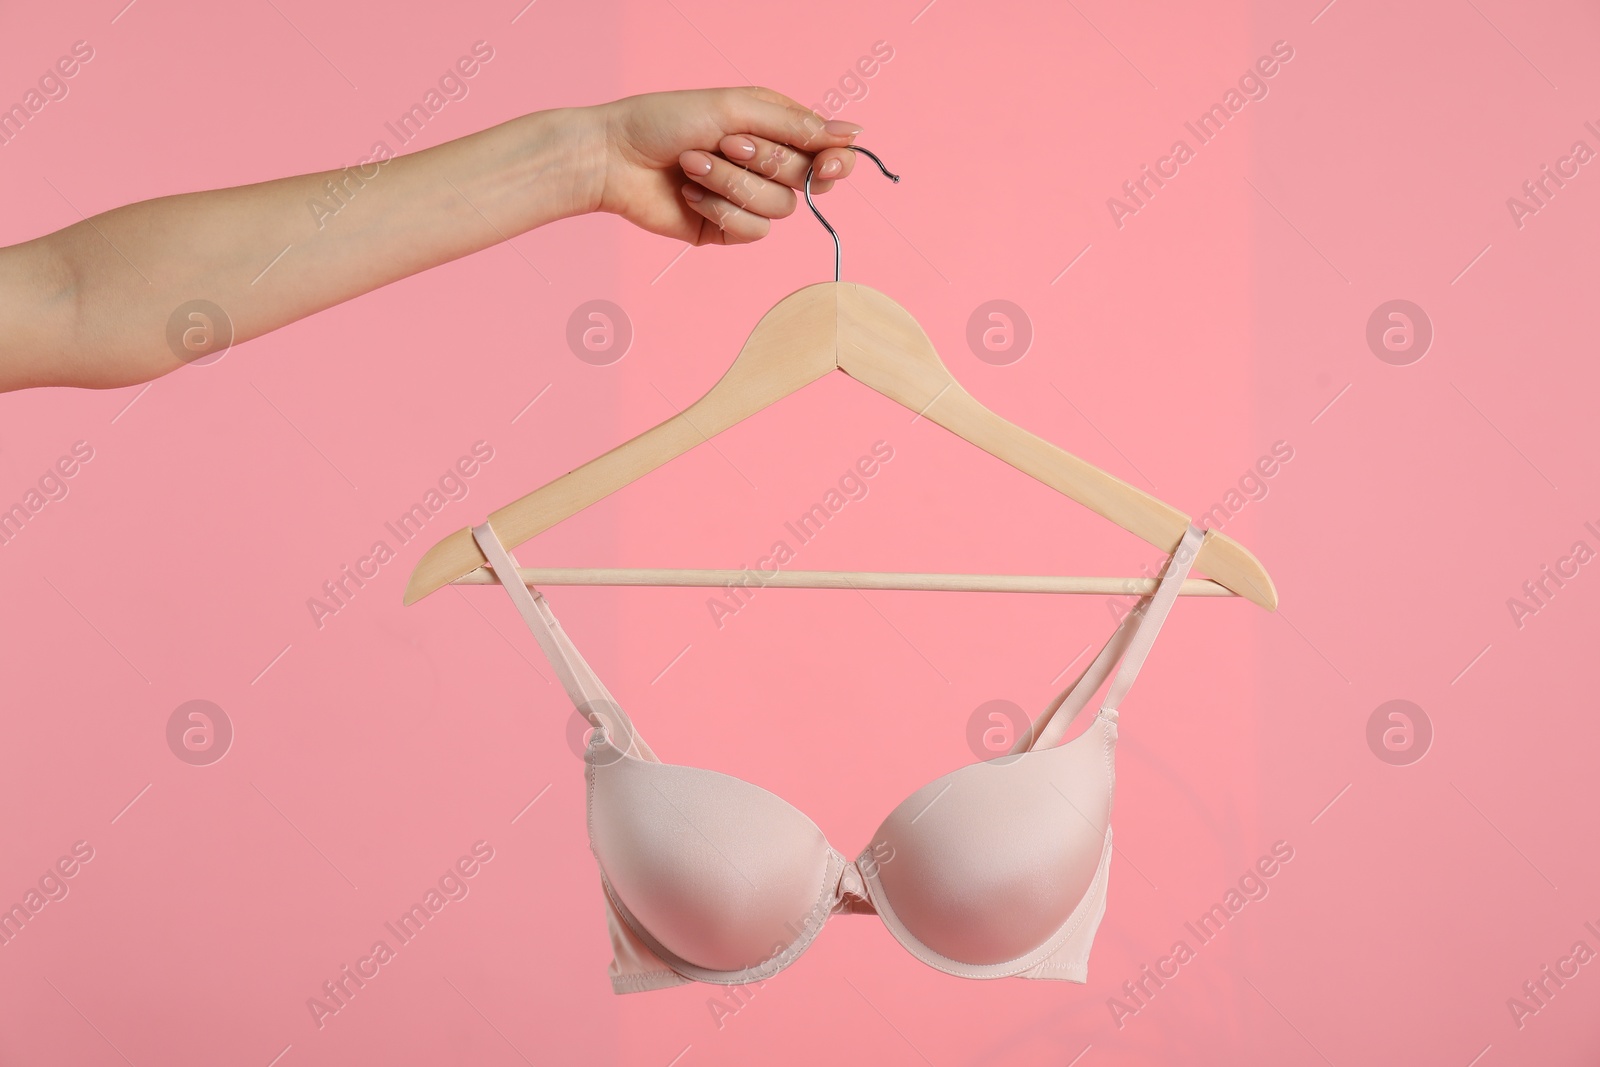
(574, 141)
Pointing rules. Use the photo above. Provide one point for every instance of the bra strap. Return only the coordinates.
(1154, 615)
(1052, 723)
(587, 692)
(1129, 643)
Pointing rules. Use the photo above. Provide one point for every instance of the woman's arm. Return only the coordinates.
(90, 305)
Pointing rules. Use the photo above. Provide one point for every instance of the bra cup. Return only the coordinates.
(719, 872)
(986, 864)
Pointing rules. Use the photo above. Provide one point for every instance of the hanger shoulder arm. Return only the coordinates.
(1108, 496)
(789, 348)
(882, 346)
(1233, 565)
(528, 515)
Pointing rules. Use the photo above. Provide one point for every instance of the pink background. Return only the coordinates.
(1229, 313)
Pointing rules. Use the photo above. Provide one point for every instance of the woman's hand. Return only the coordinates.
(714, 166)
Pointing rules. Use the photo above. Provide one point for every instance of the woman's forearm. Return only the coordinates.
(106, 288)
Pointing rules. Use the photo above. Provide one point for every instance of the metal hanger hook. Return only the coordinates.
(826, 225)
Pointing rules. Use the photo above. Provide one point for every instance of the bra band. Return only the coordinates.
(588, 693)
(1130, 643)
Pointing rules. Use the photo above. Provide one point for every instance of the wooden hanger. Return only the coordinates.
(852, 328)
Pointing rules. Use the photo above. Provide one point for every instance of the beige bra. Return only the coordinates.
(995, 870)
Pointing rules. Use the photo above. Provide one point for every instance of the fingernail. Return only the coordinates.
(696, 163)
(840, 128)
(830, 168)
(744, 146)
(693, 193)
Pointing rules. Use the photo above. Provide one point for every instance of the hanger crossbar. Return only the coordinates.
(958, 583)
